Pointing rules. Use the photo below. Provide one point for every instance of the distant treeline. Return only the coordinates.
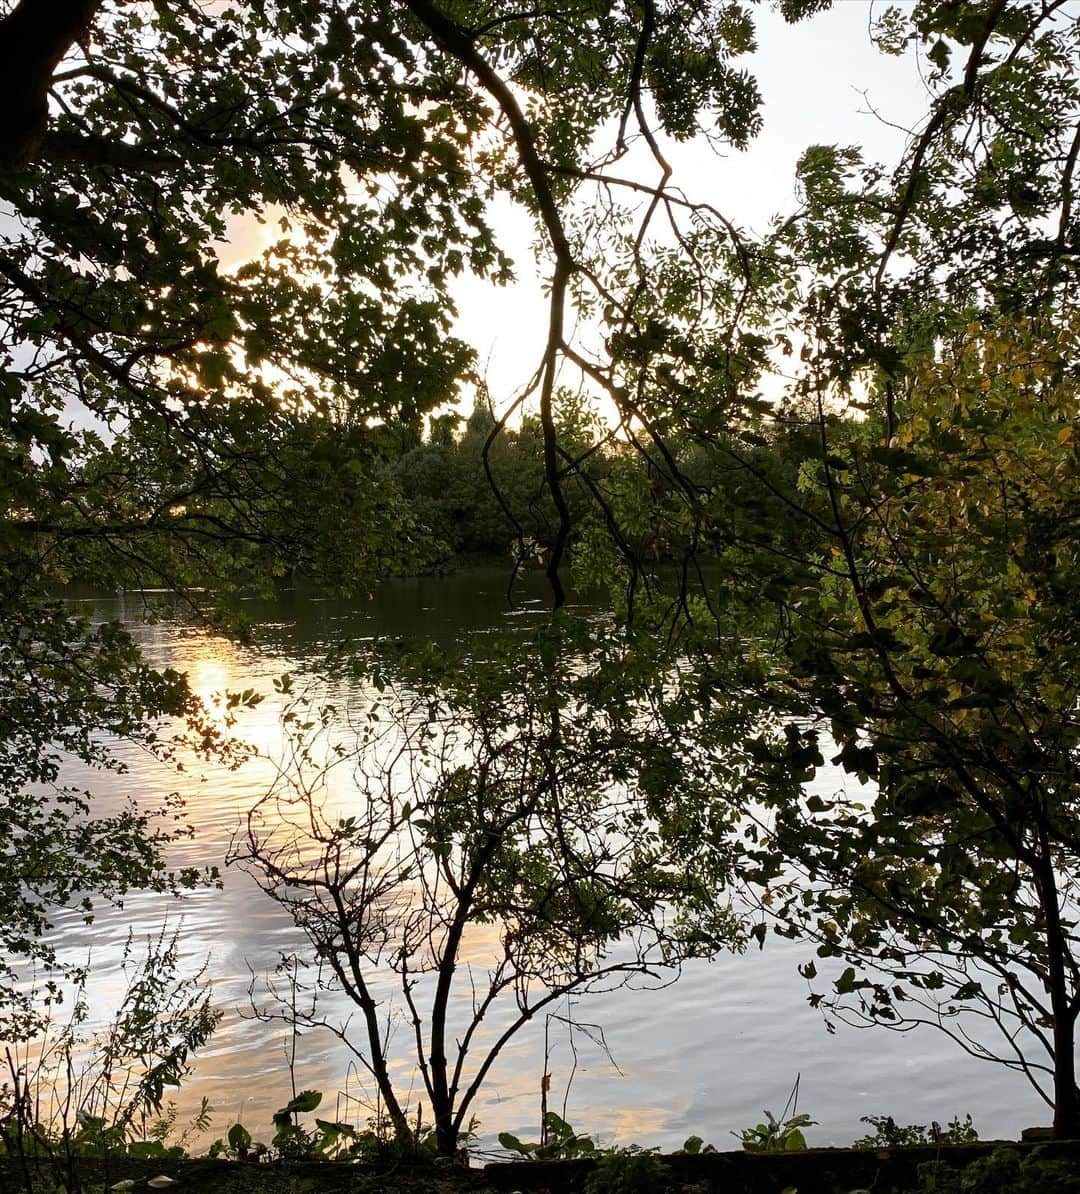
(403, 498)
(472, 494)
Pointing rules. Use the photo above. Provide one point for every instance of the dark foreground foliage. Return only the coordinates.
(948, 1169)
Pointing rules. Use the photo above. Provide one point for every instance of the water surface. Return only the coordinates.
(703, 1056)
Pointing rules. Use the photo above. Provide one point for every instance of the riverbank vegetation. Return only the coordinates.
(824, 477)
(944, 1167)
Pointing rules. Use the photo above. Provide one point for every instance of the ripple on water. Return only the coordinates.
(703, 1056)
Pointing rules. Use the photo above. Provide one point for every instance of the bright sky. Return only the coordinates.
(819, 81)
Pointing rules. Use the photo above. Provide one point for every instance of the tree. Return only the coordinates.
(355, 132)
(171, 420)
(874, 264)
(375, 137)
(921, 323)
(484, 493)
(140, 442)
(118, 313)
(500, 844)
(930, 648)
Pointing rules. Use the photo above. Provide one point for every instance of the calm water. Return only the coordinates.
(703, 1056)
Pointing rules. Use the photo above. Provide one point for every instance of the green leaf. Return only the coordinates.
(514, 1145)
(306, 1100)
(326, 1125)
(239, 1137)
(939, 55)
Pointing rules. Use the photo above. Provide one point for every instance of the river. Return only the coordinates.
(703, 1056)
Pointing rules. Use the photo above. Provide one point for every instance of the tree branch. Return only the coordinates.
(34, 37)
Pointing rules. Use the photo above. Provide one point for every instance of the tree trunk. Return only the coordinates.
(1066, 1100)
(34, 37)
(446, 1136)
(443, 1095)
(442, 1098)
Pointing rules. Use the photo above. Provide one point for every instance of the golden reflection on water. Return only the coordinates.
(240, 933)
(705, 1056)
(210, 675)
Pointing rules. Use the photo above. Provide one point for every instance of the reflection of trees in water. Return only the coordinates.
(499, 853)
